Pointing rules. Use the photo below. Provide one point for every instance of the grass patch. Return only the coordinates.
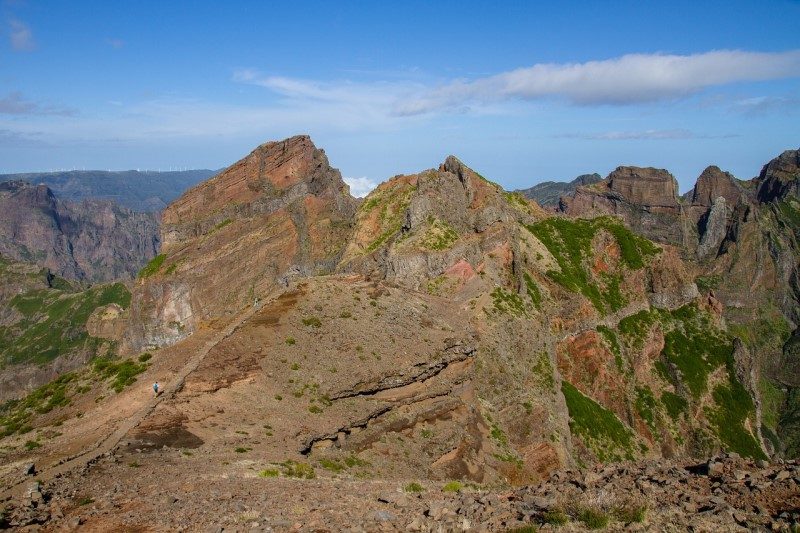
(15, 415)
(508, 302)
(533, 291)
(269, 472)
(674, 404)
(555, 517)
(600, 429)
(569, 242)
(121, 373)
(734, 407)
(611, 341)
(593, 517)
(298, 470)
(152, 267)
(414, 487)
(439, 235)
(53, 323)
(312, 321)
(647, 406)
(453, 486)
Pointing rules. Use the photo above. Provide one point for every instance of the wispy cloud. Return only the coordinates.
(646, 135)
(761, 105)
(17, 139)
(21, 36)
(15, 104)
(629, 79)
(360, 187)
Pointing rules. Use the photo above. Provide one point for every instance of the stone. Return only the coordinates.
(384, 516)
(783, 474)
(29, 469)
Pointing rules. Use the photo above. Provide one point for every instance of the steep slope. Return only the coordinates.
(280, 212)
(548, 193)
(49, 327)
(91, 241)
(145, 191)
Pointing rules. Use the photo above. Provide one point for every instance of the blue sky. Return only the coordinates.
(522, 92)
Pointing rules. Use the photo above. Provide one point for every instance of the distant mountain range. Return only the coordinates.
(140, 191)
(548, 193)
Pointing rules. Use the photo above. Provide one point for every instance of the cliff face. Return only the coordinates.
(281, 211)
(92, 240)
(645, 198)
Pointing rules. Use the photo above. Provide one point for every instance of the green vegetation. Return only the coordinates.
(533, 290)
(611, 340)
(53, 323)
(555, 517)
(593, 517)
(152, 267)
(439, 235)
(32, 445)
(269, 472)
(313, 322)
(15, 414)
(647, 406)
(772, 399)
(331, 464)
(508, 302)
(414, 487)
(569, 241)
(392, 199)
(631, 512)
(221, 225)
(600, 429)
(241, 449)
(121, 373)
(353, 461)
(674, 404)
(707, 283)
(543, 371)
(453, 486)
(297, 470)
(734, 406)
(290, 341)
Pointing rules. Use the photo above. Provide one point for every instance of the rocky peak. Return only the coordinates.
(714, 183)
(271, 177)
(780, 177)
(281, 211)
(648, 187)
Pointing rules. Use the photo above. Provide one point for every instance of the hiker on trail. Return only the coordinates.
(155, 388)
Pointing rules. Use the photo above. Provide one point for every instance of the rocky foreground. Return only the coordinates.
(725, 493)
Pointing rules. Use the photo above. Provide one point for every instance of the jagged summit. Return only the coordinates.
(713, 183)
(780, 177)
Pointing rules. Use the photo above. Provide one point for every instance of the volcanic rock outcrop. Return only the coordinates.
(280, 212)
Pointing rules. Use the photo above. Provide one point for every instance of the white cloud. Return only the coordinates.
(630, 79)
(360, 187)
(21, 36)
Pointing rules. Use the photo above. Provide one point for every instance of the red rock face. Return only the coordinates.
(584, 361)
(280, 211)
